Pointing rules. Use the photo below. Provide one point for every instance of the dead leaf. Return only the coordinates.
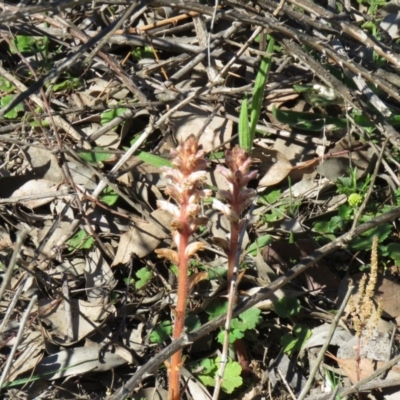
(191, 119)
(274, 166)
(142, 238)
(80, 360)
(31, 351)
(85, 316)
(36, 186)
(357, 371)
(99, 278)
(280, 255)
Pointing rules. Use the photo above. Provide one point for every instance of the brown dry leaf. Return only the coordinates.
(33, 187)
(280, 255)
(31, 352)
(191, 119)
(80, 360)
(46, 164)
(84, 315)
(274, 166)
(110, 139)
(356, 371)
(142, 238)
(335, 167)
(5, 239)
(99, 278)
(60, 235)
(151, 393)
(82, 175)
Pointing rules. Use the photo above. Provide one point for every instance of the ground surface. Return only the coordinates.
(95, 94)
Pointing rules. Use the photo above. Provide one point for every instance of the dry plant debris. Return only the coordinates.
(96, 99)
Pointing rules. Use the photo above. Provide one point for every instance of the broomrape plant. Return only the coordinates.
(186, 188)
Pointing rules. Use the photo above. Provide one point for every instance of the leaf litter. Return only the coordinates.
(105, 301)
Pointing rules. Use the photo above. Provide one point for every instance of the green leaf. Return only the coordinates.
(287, 307)
(273, 196)
(161, 332)
(109, 115)
(138, 53)
(250, 318)
(232, 376)
(6, 85)
(80, 241)
(192, 322)
(292, 343)
(364, 242)
(259, 86)
(216, 272)
(144, 275)
(154, 160)
(247, 320)
(393, 251)
(67, 84)
(308, 121)
(244, 132)
(234, 334)
(259, 244)
(216, 308)
(345, 212)
(13, 113)
(95, 157)
(29, 44)
(108, 196)
(209, 366)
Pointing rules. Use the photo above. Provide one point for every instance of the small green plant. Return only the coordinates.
(109, 115)
(13, 113)
(138, 53)
(68, 83)
(108, 196)
(287, 307)
(29, 44)
(144, 276)
(232, 379)
(333, 382)
(80, 241)
(246, 321)
(247, 129)
(161, 332)
(293, 342)
(351, 186)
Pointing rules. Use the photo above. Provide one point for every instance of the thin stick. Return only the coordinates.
(10, 359)
(321, 354)
(10, 269)
(361, 209)
(231, 304)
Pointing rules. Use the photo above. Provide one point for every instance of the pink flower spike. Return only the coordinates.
(174, 175)
(225, 195)
(171, 208)
(193, 248)
(226, 173)
(220, 206)
(198, 176)
(247, 194)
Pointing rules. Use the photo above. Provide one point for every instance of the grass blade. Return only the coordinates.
(245, 141)
(259, 86)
